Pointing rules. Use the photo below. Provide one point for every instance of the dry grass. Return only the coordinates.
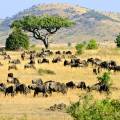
(28, 108)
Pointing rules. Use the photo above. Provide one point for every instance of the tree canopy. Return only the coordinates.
(42, 26)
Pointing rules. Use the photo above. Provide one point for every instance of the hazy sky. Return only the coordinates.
(11, 7)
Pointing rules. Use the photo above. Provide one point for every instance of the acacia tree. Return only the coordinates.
(42, 26)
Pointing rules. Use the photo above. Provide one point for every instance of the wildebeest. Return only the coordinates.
(66, 62)
(81, 85)
(10, 74)
(12, 67)
(57, 52)
(10, 90)
(32, 61)
(56, 60)
(70, 84)
(44, 60)
(27, 66)
(21, 88)
(37, 82)
(13, 80)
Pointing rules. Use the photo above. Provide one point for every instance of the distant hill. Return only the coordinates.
(103, 26)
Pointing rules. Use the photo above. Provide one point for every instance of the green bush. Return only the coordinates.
(117, 41)
(16, 40)
(105, 78)
(88, 109)
(80, 48)
(92, 44)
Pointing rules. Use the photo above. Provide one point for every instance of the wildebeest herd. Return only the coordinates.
(51, 86)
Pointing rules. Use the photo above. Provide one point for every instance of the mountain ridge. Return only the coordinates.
(103, 26)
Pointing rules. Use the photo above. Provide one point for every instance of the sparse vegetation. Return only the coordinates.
(92, 44)
(88, 109)
(80, 48)
(45, 71)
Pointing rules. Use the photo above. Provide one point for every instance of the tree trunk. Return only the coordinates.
(45, 42)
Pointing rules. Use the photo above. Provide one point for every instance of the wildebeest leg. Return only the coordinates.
(35, 93)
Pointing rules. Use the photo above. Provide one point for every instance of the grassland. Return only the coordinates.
(28, 108)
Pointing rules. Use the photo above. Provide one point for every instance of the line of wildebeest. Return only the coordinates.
(48, 87)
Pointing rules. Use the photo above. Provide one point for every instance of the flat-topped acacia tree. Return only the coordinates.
(42, 26)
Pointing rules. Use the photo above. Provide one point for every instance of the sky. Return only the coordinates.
(12, 7)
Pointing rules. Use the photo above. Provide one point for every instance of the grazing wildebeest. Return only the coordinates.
(95, 71)
(81, 85)
(16, 61)
(75, 65)
(56, 60)
(70, 84)
(57, 52)
(29, 66)
(66, 63)
(13, 80)
(2, 86)
(23, 56)
(10, 90)
(53, 86)
(68, 53)
(37, 82)
(12, 67)
(7, 57)
(104, 88)
(10, 74)
(44, 60)
(32, 61)
(21, 88)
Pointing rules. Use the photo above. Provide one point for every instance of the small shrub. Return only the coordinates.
(117, 41)
(46, 71)
(88, 109)
(105, 78)
(92, 44)
(80, 48)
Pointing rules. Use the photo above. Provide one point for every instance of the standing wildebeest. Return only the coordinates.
(13, 80)
(81, 85)
(44, 60)
(29, 66)
(70, 84)
(10, 74)
(56, 60)
(10, 90)
(12, 67)
(66, 63)
(37, 82)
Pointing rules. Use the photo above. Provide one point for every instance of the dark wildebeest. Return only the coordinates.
(70, 84)
(68, 53)
(104, 88)
(44, 60)
(57, 52)
(21, 88)
(95, 71)
(81, 85)
(23, 56)
(32, 61)
(10, 74)
(56, 60)
(2, 86)
(29, 66)
(12, 67)
(66, 63)
(10, 90)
